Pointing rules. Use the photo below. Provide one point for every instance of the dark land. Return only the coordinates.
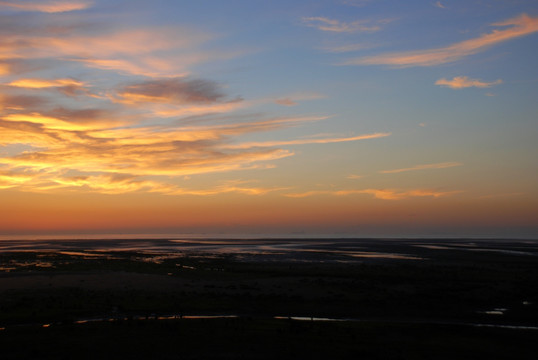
(265, 299)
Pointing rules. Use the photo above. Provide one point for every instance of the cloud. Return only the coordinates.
(307, 141)
(294, 99)
(439, 5)
(461, 82)
(517, 27)
(423, 167)
(20, 102)
(337, 26)
(68, 87)
(354, 177)
(228, 187)
(172, 90)
(10, 180)
(125, 133)
(44, 83)
(51, 6)
(178, 96)
(382, 194)
(113, 183)
(76, 141)
(160, 51)
(286, 101)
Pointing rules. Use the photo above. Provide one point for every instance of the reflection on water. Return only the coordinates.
(181, 317)
(516, 327)
(496, 311)
(14, 265)
(311, 318)
(160, 250)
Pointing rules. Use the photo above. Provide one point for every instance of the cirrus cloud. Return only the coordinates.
(462, 82)
(50, 6)
(514, 28)
(337, 26)
(382, 194)
(423, 167)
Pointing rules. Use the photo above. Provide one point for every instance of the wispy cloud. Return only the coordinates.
(114, 157)
(286, 101)
(66, 86)
(423, 167)
(517, 27)
(337, 26)
(294, 99)
(382, 194)
(177, 96)
(172, 90)
(440, 5)
(462, 82)
(143, 51)
(44, 83)
(50, 6)
(139, 122)
(307, 141)
(121, 184)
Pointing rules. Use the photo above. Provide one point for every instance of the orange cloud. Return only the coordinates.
(383, 194)
(51, 6)
(44, 83)
(461, 82)
(144, 51)
(9, 180)
(286, 102)
(293, 100)
(67, 86)
(423, 167)
(517, 27)
(61, 146)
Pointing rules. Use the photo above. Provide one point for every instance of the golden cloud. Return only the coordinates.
(383, 194)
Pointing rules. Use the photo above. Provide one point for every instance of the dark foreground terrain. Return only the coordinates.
(261, 299)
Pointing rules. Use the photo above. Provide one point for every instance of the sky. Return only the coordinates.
(366, 118)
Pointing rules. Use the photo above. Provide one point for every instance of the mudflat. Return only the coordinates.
(409, 298)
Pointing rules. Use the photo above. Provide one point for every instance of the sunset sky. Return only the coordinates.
(367, 118)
